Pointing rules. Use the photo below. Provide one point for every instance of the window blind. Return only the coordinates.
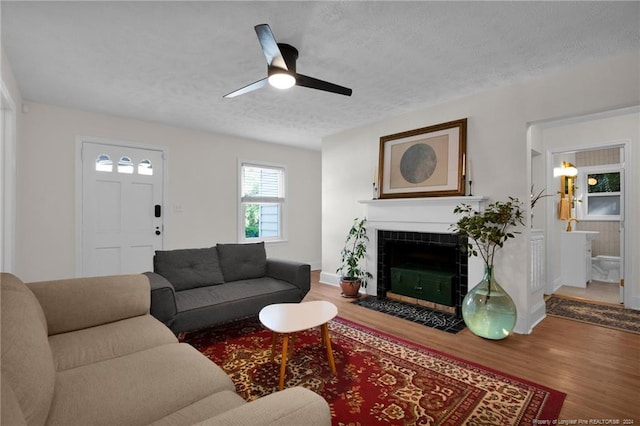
(262, 184)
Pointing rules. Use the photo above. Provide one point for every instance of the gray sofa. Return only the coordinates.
(197, 288)
(85, 351)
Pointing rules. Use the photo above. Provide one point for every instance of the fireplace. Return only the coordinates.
(420, 228)
(435, 263)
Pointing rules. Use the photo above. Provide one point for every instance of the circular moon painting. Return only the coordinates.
(418, 163)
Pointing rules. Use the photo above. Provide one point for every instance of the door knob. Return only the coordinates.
(158, 230)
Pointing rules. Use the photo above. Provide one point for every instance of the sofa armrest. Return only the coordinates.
(293, 406)
(163, 298)
(296, 273)
(78, 303)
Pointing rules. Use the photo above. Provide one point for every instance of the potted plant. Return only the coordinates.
(352, 273)
(487, 309)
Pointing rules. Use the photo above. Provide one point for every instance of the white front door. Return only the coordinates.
(122, 208)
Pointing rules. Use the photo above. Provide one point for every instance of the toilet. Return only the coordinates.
(605, 268)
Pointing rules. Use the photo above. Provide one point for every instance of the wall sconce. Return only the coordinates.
(567, 169)
(567, 174)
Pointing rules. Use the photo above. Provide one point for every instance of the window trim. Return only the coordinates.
(282, 202)
(583, 206)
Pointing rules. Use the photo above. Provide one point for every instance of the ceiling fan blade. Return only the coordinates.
(246, 89)
(270, 46)
(314, 83)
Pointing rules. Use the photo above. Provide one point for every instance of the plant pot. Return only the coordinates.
(350, 287)
(488, 310)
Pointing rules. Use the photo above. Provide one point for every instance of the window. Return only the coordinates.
(262, 198)
(104, 163)
(125, 165)
(145, 168)
(601, 200)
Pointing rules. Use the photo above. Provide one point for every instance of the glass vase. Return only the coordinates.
(488, 310)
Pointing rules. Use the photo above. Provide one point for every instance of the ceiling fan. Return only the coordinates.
(281, 70)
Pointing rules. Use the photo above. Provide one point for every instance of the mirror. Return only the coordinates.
(568, 173)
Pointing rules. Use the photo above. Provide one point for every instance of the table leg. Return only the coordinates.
(283, 363)
(327, 342)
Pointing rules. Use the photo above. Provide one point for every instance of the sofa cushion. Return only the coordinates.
(11, 413)
(108, 341)
(136, 389)
(204, 409)
(74, 304)
(292, 406)
(202, 307)
(189, 268)
(242, 261)
(27, 363)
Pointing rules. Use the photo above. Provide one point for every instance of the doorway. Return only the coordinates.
(121, 207)
(604, 130)
(596, 202)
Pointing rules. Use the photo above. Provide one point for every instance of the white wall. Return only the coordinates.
(497, 144)
(202, 178)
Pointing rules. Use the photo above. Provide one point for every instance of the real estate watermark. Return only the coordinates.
(585, 422)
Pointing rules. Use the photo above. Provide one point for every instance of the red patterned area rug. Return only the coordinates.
(381, 379)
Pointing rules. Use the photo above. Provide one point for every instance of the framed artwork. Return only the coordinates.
(426, 162)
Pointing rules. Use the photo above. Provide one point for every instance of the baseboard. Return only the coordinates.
(334, 279)
(634, 303)
(537, 314)
(331, 279)
(556, 285)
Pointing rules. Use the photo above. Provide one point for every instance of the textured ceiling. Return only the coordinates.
(172, 62)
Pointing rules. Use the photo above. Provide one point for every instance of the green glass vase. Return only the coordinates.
(488, 310)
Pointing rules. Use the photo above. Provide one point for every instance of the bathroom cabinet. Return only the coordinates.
(575, 257)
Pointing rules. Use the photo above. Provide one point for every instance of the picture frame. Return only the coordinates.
(425, 162)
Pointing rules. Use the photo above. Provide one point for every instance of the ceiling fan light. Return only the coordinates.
(282, 80)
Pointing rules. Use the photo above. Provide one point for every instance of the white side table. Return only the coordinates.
(288, 318)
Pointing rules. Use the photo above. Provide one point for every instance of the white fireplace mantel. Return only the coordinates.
(417, 215)
(433, 214)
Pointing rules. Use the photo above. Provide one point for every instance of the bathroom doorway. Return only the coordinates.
(597, 206)
(597, 146)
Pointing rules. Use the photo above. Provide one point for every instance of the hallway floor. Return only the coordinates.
(598, 291)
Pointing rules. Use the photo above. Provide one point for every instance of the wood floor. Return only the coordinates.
(598, 368)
